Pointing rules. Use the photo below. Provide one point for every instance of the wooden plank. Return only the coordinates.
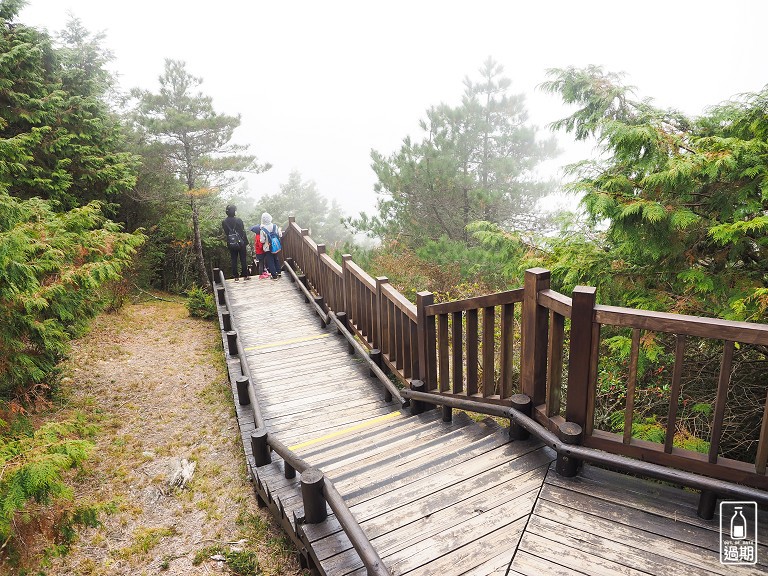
(382, 448)
(567, 557)
(455, 562)
(396, 429)
(457, 352)
(443, 353)
(436, 512)
(532, 565)
(586, 524)
(555, 302)
(489, 327)
(655, 520)
(555, 364)
(506, 350)
(579, 355)
(674, 395)
(714, 328)
(722, 397)
(762, 447)
(629, 411)
(471, 530)
(359, 488)
(500, 298)
(499, 565)
(655, 555)
(416, 457)
(475, 475)
(472, 347)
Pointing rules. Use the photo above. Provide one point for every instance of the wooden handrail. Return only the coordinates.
(424, 341)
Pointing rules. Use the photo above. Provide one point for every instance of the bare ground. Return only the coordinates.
(154, 380)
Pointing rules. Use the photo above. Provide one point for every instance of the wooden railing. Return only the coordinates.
(533, 341)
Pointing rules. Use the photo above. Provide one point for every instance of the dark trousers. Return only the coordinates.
(273, 263)
(240, 254)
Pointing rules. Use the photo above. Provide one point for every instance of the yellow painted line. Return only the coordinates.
(349, 430)
(284, 342)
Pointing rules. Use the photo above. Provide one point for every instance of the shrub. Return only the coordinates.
(53, 268)
(200, 304)
(34, 463)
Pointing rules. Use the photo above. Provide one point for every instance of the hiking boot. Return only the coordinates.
(237, 279)
(247, 278)
(273, 278)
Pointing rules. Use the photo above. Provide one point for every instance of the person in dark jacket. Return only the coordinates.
(232, 224)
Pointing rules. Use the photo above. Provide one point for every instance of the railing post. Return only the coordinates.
(260, 447)
(533, 376)
(242, 391)
(707, 505)
(426, 364)
(303, 279)
(378, 333)
(346, 284)
(580, 356)
(342, 316)
(312, 481)
(226, 321)
(521, 403)
(569, 433)
(232, 343)
(320, 282)
(216, 275)
(221, 294)
(417, 406)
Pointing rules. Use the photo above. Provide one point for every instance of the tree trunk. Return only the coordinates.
(197, 248)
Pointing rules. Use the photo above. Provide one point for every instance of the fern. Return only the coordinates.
(34, 463)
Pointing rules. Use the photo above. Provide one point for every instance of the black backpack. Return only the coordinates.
(234, 240)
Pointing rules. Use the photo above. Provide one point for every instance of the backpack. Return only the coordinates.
(274, 239)
(234, 241)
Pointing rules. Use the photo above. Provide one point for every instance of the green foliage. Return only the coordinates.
(475, 162)
(195, 141)
(53, 268)
(200, 304)
(58, 140)
(301, 199)
(34, 464)
(240, 562)
(682, 200)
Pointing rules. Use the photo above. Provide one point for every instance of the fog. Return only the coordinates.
(320, 84)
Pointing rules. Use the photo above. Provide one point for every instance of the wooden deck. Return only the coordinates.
(435, 497)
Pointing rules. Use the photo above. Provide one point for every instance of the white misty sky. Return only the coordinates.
(320, 84)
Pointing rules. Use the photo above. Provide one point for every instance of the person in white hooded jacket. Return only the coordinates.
(272, 260)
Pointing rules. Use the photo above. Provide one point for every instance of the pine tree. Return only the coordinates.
(475, 162)
(196, 141)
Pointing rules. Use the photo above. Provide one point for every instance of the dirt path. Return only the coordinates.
(154, 379)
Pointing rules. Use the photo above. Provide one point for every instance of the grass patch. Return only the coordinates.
(144, 540)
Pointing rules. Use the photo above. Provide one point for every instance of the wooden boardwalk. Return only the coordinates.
(435, 497)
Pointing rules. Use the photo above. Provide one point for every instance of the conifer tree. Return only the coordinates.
(57, 137)
(475, 162)
(684, 198)
(196, 141)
